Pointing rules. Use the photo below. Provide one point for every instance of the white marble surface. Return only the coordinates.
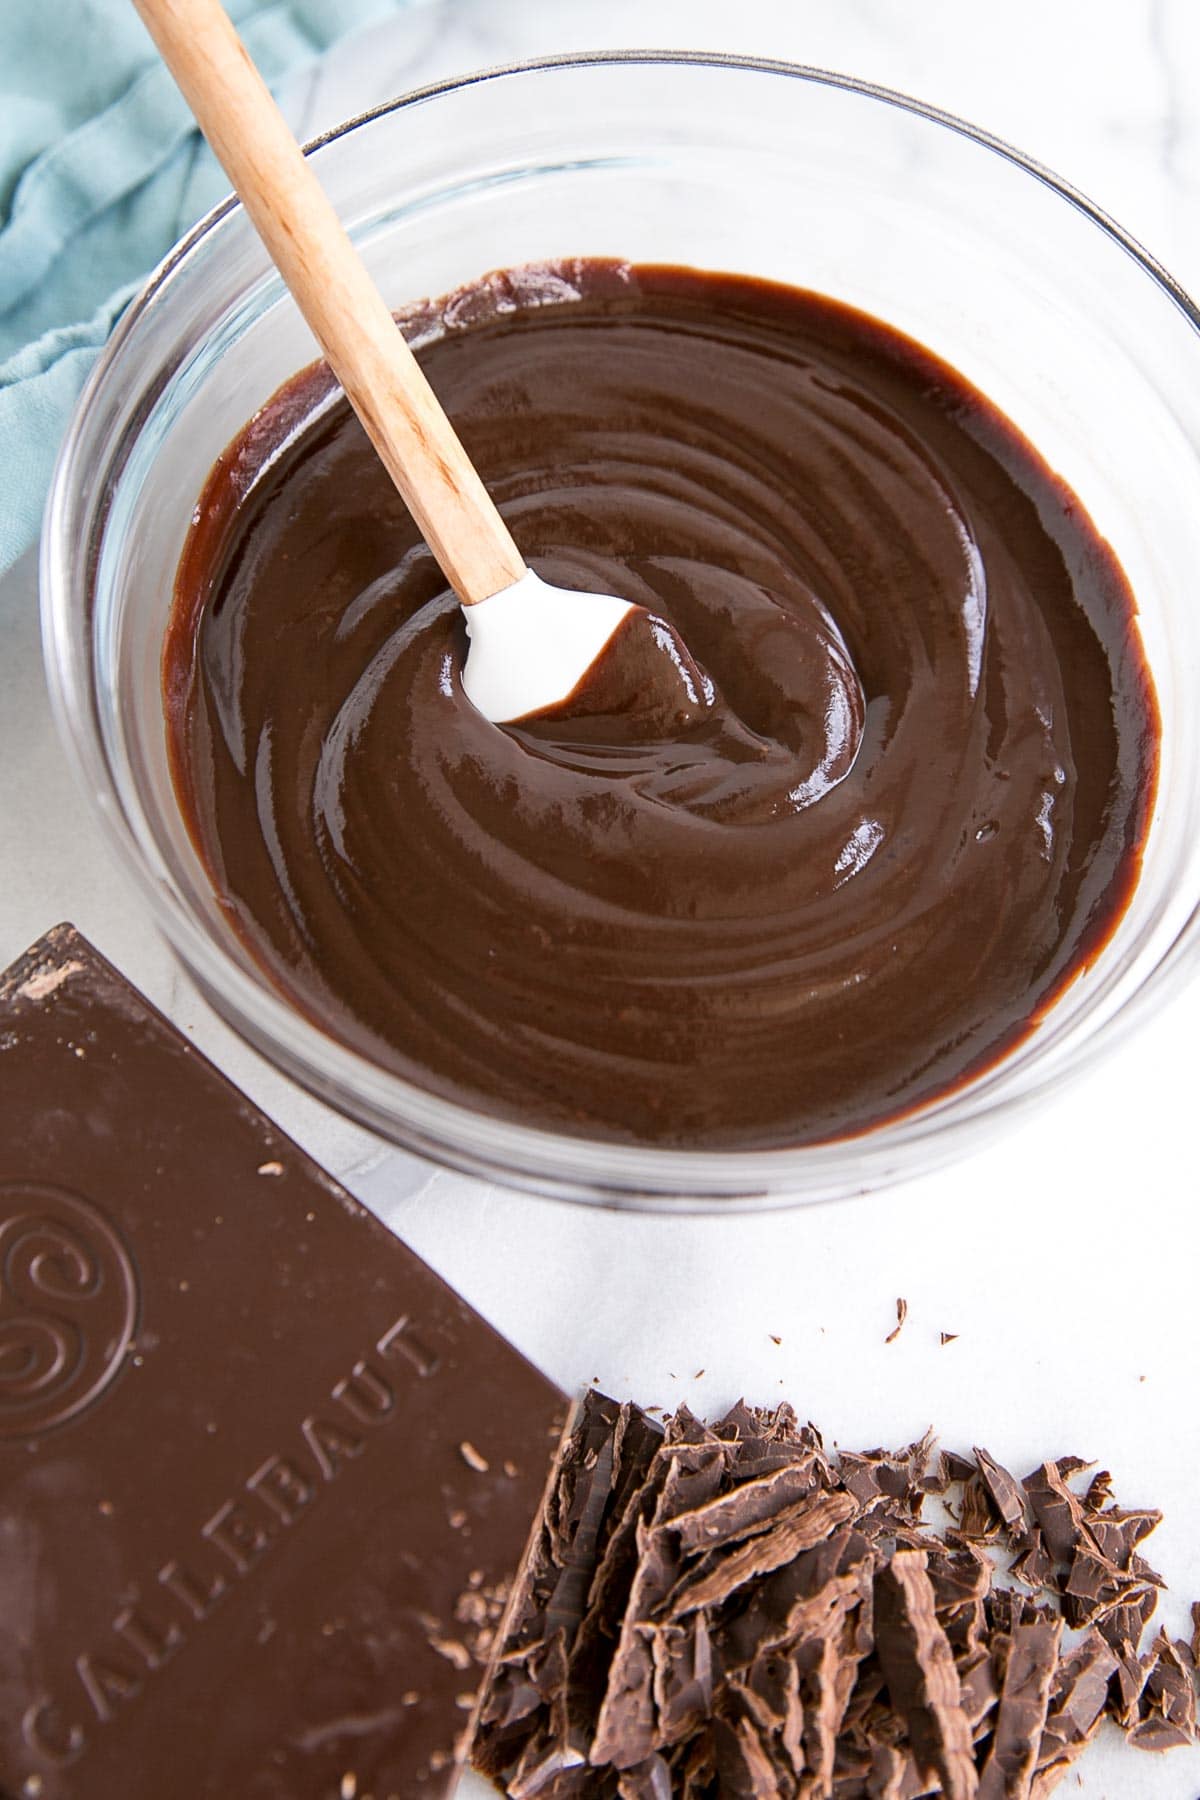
(1012, 1251)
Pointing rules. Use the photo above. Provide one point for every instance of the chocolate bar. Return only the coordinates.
(265, 1480)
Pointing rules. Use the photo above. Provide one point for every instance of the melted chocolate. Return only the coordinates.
(904, 809)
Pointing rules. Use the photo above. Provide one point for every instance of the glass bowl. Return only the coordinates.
(719, 163)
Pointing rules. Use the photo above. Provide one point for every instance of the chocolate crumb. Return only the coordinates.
(901, 1315)
(948, 1337)
(773, 1338)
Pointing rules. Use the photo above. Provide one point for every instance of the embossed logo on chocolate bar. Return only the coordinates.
(68, 1306)
(157, 1616)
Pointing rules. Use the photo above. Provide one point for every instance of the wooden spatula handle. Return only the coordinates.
(332, 288)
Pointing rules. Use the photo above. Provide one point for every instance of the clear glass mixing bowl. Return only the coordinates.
(719, 163)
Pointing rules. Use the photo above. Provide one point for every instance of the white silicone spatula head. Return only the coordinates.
(531, 644)
(563, 632)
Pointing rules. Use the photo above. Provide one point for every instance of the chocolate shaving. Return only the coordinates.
(1099, 1491)
(950, 1469)
(747, 1509)
(800, 1528)
(713, 1611)
(1078, 1697)
(1035, 1565)
(901, 1315)
(918, 1665)
(744, 1767)
(1059, 1512)
(683, 1678)
(978, 1520)
(650, 1780)
(1119, 1530)
(1167, 1707)
(1031, 1661)
(1006, 1495)
(880, 1475)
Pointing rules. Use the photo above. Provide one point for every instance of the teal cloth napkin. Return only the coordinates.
(102, 169)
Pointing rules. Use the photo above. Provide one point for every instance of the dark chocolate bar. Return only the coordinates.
(264, 1478)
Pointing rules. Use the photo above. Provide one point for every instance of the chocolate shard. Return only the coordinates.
(637, 1440)
(1058, 1511)
(1021, 1715)
(627, 1729)
(882, 1475)
(263, 1563)
(1099, 1491)
(918, 1665)
(828, 1670)
(773, 1682)
(804, 1600)
(1119, 1530)
(980, 1690)
(1096, 1586)
(978, 1520)
(650, 1780)
(1167, 1705)
(1008, 1608)
(696, 1771)
(1129, 1679)
(1078, 1698)
(1007, 1496)
(746, 1509)
(547, 1771)
(686, 1472)
(606, 1450)
(953, 1467)
(1124, 1623)
(893, 1775)
(683, 1678)
(764, 1441)
(1035, 1566)
(961, 1581)
(584, 1491)
(744, 1766)
(716, 1577)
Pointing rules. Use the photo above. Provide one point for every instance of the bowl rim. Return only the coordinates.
(530, 1158)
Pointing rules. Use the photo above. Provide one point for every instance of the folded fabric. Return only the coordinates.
(102, 169)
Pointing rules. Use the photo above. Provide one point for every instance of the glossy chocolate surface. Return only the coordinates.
(264, 1478)
(904, 807)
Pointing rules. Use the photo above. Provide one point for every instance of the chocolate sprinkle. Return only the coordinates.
(752, 1619)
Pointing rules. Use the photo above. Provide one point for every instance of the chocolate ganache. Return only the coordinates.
(829, 870)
